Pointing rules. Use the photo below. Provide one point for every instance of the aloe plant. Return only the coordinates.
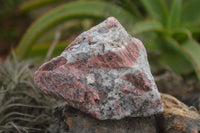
(174, 29)
(171, 26)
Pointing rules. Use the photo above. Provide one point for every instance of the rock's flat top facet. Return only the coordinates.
(103, 72)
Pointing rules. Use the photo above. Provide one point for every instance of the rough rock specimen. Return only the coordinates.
(103, 72)
(176, 118)
(70, 120)
(188, 91)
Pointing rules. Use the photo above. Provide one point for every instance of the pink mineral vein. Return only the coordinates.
(104, 72)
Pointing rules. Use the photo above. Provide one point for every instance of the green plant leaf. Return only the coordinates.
(169, 3)
(146, 26)
(40, 50)
(181, 34)
(176, 62)
(170, 55)
(175, 14)
(193, 27)
(34, 4)
(190, 49)
(157, 9)
(76, 10)
(130, 5)
(191, 11)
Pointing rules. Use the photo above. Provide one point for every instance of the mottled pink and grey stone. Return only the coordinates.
(104, 72)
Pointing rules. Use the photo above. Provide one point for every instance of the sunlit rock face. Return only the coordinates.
(104, 72)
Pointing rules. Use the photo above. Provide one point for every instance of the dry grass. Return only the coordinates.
(22, 107)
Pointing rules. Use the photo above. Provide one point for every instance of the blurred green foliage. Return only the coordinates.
(172, 33)
(61, 14)
(169, 27)
(7, 6)
(12, 26)
(34, 4)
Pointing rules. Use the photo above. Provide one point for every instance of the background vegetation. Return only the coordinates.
(165, 26)
(42, 29)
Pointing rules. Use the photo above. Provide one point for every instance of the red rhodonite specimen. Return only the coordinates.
(103, 72)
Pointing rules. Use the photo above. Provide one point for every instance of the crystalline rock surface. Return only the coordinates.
(104, 72)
